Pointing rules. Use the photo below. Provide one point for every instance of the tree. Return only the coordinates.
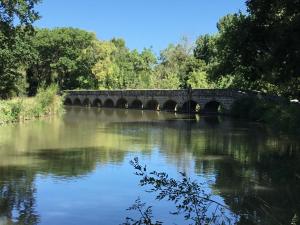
(181, 66)
(198, 79)
(16, 18)
(174, 58)
(143, 65)
(105, 69)
(20, 12)
(278, 45)
(205, 48)
(261, 49)
(64, 56)
(133, 69)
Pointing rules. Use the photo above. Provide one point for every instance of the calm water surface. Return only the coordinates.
(75, 169)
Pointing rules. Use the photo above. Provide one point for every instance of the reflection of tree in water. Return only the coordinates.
(75, 161)
(68, 162)
(261, 186)
(245, 163)
(259, 182)
(17, 188)
(257, 175)
(17, 200)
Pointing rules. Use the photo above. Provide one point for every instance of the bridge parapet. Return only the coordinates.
(185, 100)
(145, 92)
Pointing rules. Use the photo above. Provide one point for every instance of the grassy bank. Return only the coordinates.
(283, 117)
(45, 103)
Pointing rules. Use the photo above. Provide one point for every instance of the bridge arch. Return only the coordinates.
(212, 107)
(136, 104)
(108, 103)
(190, 106)
(97, 103)
(86, 102)
(77, 102)
(152, 105)
(68, 101)
(170, 105)
(122, 103)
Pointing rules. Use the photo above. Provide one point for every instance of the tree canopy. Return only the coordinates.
(16, 18)
(256, 50)
(261, 49)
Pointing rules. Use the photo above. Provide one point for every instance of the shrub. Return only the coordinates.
(46, 97)
(242, 107)
(280, 116)
(46, 102)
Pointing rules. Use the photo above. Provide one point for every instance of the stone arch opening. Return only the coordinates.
(108, 103)
(68, 101)
(137, 104)
(97, 103)
(122, 103)
(190, 107)
(170, 105)
(77, 101)
(152, 105)
(86, 102)
(212, 107)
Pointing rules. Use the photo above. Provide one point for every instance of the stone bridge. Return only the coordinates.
(186, 100)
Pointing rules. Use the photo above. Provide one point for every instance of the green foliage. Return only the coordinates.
(23, 10)
(205, 48)
(174, 60)
(254, 51)
(76, 59)
(189, 197)
(280, 116)
(260, 49)
(45, 103)
(198, 79)
(16, 18)
(119, 68)
(179, 68)
(8, 111)
(145, 212)
(64, 56)
(283, 117)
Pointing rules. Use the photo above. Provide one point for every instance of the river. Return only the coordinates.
(74, 169)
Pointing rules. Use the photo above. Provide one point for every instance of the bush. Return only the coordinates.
(10, 110)
(245, 108)
(280, 116)
(46, 97)
(46, 102)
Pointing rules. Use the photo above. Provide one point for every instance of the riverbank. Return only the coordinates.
(280, 116)
(45, 103)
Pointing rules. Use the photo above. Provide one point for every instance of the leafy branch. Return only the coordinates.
(145, 213)
(189, 197)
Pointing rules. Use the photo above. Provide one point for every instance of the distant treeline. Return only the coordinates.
(257, 50)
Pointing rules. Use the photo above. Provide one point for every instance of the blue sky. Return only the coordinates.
(142, 23)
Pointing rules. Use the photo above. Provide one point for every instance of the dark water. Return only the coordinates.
(75, 169)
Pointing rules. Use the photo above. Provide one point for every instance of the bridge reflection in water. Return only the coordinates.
(185, 101)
